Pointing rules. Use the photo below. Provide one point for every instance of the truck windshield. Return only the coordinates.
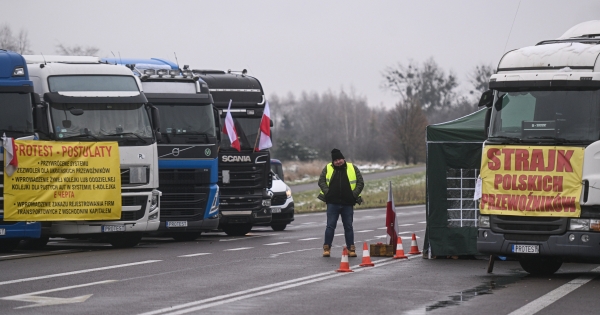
(15, 114)
(109, 122)
(86, 83)
(247, 129)
(555, 116)
(183, 120)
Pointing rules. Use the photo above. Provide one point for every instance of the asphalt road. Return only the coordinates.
(269, 272)
(369, 176)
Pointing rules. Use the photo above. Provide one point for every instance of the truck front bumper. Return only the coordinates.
(492, 243)
(205, 225)
(254, 217)
(21, 230)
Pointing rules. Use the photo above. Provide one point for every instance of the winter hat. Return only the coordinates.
(336, 154)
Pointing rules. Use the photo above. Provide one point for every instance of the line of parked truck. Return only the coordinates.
(179, 175)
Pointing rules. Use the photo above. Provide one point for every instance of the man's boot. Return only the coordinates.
(352, 251)
(326, 250)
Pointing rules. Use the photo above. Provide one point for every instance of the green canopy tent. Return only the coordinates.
(453, 161)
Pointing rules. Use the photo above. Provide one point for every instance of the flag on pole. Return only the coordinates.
(265, 130)
(10, 159)
(229, 129)
(391, 221)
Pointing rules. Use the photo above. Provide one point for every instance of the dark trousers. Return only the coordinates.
(333, 213)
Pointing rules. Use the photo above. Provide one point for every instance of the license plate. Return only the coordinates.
(2, 231)
(113, 228)
(171, 224)
(526, 249)
(275, 210)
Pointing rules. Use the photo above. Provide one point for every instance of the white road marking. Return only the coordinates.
(407, 224)
(15, 255)
(244, 238)
(194, 255)
(239, 248)
(422, 222)
(309, 239)
(267, 289)
(78, 272)
(308, 223)
(293, 251)
(364, 231)
(44, 300)
(381, 236)
(339, 234)
(383, 228)
(556, 294)
(278, 243)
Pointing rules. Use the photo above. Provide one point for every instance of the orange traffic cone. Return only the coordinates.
(400, 250)
(414, 248)
(366, 261)
(344, 265)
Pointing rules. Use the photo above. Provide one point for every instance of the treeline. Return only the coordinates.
(308, 126)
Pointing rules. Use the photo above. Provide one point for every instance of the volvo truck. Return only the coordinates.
(540, 169)
(16, 121)
(244, 175)
(187, 152)
(83, 100)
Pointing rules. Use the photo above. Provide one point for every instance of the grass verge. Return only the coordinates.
(407, 189)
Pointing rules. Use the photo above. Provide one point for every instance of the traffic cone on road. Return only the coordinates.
(400, 250)
(366, 261)
(414, 248)
(344, 265)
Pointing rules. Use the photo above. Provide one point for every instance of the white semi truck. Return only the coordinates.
(540, 169)
(86, 100)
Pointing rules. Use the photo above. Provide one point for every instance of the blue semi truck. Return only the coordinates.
(188, 149)
(16, 121)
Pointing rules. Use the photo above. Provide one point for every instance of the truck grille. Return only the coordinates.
(240, 202)
(184, 176)
(133, 201)
(278, 199)
(182, 201)
(248, 176)
(528, 225)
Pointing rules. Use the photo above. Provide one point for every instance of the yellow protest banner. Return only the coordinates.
(63, 181)
(531, 180)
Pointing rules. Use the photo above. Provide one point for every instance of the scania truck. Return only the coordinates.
(16, 121)
(87, 100)
(540, 169)
(244, 176)
(187, 152)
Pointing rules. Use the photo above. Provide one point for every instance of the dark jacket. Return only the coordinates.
(338, 191)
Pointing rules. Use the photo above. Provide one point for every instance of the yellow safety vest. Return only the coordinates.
(349, 170)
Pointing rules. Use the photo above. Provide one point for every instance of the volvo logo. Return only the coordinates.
(207, 152)
(175, 151)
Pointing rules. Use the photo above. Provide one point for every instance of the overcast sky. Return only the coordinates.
(295, 46)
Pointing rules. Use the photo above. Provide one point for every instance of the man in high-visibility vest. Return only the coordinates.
(341, 184)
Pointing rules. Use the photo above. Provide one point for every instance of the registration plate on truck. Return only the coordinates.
(2, 231)
(275, 210)
(113, 228)
(526, 249)
(172, 224)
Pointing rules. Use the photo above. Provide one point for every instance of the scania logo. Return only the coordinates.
(175, 151)
(236, 158)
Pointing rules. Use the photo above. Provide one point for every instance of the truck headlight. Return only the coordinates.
(266, 202)
(579, 224)
(288, 192)
(154, 201)
(137, 175)
(595, 225)
(484, 221)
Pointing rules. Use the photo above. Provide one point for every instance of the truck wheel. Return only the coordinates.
(125, 240)
(540, 265)
(35, 243)
(186, 236)
(278, 227)
(237, 229)
(9, 244)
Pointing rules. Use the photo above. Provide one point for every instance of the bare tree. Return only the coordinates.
(406, 125)
(480, 78)
(76, 50)
(8, 41)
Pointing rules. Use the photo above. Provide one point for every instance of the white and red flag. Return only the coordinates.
(265, 130)
(391, 221)
(10, 159)
(229, 129)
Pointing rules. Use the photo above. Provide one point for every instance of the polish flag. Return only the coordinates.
(265, 130)
(229, 130)
(10, 159)
(391, 221)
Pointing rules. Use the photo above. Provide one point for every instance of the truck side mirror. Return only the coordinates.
(217, 119)
(271, 124)
(155, 117)
(486, 99)
(35, 99)
(40, 122)
(488, 117)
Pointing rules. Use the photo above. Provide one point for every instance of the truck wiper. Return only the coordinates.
(558, 140)
(82, 135)
(127, 134)
(514, 139)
